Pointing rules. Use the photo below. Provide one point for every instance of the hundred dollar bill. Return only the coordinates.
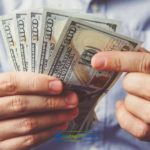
(10, 41)
(108, 24)
(71, 62)
(53, 25)
(21, 28)
(35, 24)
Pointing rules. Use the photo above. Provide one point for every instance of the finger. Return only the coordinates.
(29, 141)
(131, 124)
(28, 83)
(34, 123)
(122, 61)
(139, 107)
(137, 84)
(13, 106)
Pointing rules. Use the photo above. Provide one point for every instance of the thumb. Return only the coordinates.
(122, 61)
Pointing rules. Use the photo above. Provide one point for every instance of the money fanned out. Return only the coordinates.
(61, 44)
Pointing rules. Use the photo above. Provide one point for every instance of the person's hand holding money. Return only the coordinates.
(32, 109)
(133, 113)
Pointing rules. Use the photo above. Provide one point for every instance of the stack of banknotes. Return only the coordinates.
(61, 43)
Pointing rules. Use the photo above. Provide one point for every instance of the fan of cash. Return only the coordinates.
(61, 44)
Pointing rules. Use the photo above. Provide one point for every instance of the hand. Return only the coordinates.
(133, 113)
(32, 109)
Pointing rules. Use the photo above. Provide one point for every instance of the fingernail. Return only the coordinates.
(55, 86)
(71, 100)
(98, 63)
(118, 104)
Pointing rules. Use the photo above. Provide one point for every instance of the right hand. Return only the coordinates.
(32, 109)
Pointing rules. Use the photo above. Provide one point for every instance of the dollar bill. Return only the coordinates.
(71, 62)
(10, 41)
(53, 26)
(21, 28)
(108, 24)
(35, 26)
(52, 42)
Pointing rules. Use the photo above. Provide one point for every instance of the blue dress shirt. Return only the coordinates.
(135, 18)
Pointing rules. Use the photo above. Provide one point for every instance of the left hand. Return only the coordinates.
(33, 109)
(133, 113)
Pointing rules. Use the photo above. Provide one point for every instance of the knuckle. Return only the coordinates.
(11, 83)
(28, 125)
(145, 63)
(50, 103)
(143, 132)
(32, 83)
(30, 140)
(18, 104)
(117, 63)
(129, 101)
(123, 123)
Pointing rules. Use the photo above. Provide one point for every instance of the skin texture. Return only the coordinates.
(133, 113)
(32, 109)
